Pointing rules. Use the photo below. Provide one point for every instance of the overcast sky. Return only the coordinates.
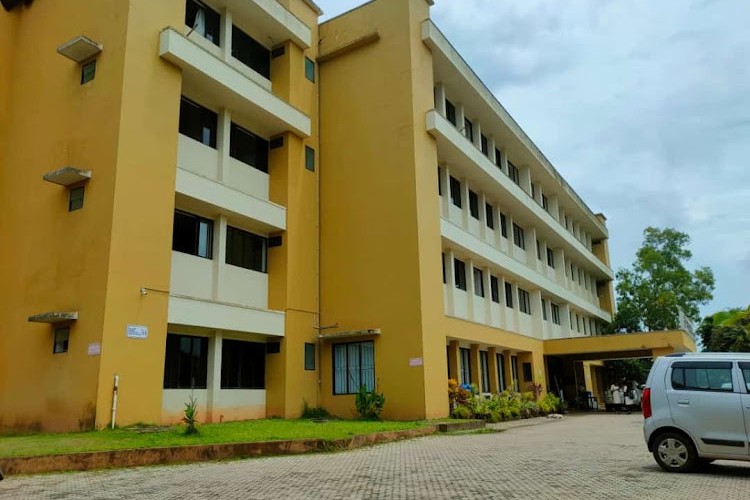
(642, 105)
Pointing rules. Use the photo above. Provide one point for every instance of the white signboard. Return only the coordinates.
(137, 332)
(415, 361)
(95, 349)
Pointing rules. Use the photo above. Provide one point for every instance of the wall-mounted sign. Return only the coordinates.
(95, 349)
(137, 332)
(415, 361)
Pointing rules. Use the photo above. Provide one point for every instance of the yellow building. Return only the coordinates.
(225, 199)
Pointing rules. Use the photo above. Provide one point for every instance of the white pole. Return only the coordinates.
(114, 400)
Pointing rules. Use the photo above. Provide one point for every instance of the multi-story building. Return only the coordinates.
(224, 199)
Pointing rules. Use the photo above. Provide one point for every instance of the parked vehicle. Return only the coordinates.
(696, 409)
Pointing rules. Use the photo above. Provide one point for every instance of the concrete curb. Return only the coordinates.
(198, 453)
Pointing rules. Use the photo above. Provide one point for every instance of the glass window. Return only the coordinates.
(246, 250)
(544, 310)
(519, 238)
(745, 367)
(353, 367)
(528, 375)
(495, 289)
(489, 216)
(513, 173)
(248, 148)
(484, 370)
(309, 356)
(545, 203)
(243, 365)
(478, 282)
(440, 183)
(473, 204)
(555, 309)
(465, 362)
(251, 53)
(485, 145)
(197, 122)
(75, 198)
(460, 274)
(508, 294)
(501, 372)
(309, 158)
(450, 112)
(455, 186)
(442, 261)
(469, 129)
(702, 376)
(499, 158)
(203, 20)
(503, 225)
(524, 304)
(550, 258)
(309, 69)
(192, 234)
(88, 72)
(62, 336)
(186, 362)
(538, 250)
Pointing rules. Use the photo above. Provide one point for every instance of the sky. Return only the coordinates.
(643, 106)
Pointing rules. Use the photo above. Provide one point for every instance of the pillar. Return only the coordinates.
(476, 370)
(453, 360)
(440, 99)
(492, 367)
(213, 379)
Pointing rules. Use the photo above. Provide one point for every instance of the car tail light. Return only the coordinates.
(646, 402)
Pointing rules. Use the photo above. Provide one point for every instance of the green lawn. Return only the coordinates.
(230, 432)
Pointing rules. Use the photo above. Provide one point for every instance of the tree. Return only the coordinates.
(726, 331)
(651, 294)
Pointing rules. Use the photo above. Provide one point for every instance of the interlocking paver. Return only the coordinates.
(587, 456)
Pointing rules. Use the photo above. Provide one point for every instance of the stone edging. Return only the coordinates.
(197, 453)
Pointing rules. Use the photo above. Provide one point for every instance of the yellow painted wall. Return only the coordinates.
(375, 235)
(659, 342)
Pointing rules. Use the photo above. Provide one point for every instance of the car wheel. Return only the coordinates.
(675, 452)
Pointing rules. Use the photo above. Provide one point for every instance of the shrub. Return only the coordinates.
(462, 412)
(549, 403)
(369, 404)
(313, 413)
(191, 416)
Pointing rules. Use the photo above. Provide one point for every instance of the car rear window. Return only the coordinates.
(746, 374)
(703, 376)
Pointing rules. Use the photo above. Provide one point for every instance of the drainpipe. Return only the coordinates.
(114, 399)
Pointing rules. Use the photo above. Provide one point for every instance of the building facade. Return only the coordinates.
(225, 199)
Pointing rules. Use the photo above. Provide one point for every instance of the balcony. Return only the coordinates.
(270, 17)
(218, 82)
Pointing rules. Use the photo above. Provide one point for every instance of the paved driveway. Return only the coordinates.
(589, 456)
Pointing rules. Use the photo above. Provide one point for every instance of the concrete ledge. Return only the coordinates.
(201, 453)
(461, 426)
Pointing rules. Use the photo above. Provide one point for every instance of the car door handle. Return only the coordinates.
(683, 401)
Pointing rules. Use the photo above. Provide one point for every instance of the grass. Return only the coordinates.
(230, 432)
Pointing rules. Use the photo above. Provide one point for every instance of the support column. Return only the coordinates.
(460, 116)
(470, 288)
(535, 296)
(477, 135)
(482, 215)
(525, 179)
(225, 34)
(450, 281)
(445, 186)
(220, 250)
(476, 372)
(492, 368)
(223, 132)
(453, 357)
(554, 207)
(491, 150)
(440, 99)
(487, 296)
(465, 204)
(565, 326)
(508, 370)
(213, 382)
(531, 257)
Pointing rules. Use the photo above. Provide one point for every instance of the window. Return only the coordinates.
(197, 122)
(203, 20)
(555, 309)
(88, 72)
(508, 294)
(503, 225)
(75, 198)
(500, 372)
(538, 250)
(442, 261)
(578, 323)
(572, 274)
(186, 362)
(309, 158)
(745, 367)
(248, 148)
(473, 204)
(251, 53)
(489, 216)
(524, 304)
(192, 235)
(478, 282)
(450, 112)
(460, 274)
(485, 145)
(246, 250)
(702, 376)
(533, 192)
(484, 370)
(440, 183)
(528, 375)
(499, 158)
(455, 186)
(465, 362)
(310, 69)
(495, 289)
(513, 173)
(544, 310)
(550, 258)
(309, 356)
(243, 365)
(62, 336)
(545, 203)
(469, 129)
(518, 237)
(353, 367)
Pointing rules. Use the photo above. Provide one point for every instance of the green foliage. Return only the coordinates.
(191, 416)
(629, 370)
(549, 404)
(369, 404)
(313, 413)
(726, 331)
(462, 412)
(652, 292)
(508, 405)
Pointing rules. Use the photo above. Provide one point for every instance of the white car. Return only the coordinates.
(696, 409)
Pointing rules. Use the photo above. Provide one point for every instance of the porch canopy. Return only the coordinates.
(621, 345)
